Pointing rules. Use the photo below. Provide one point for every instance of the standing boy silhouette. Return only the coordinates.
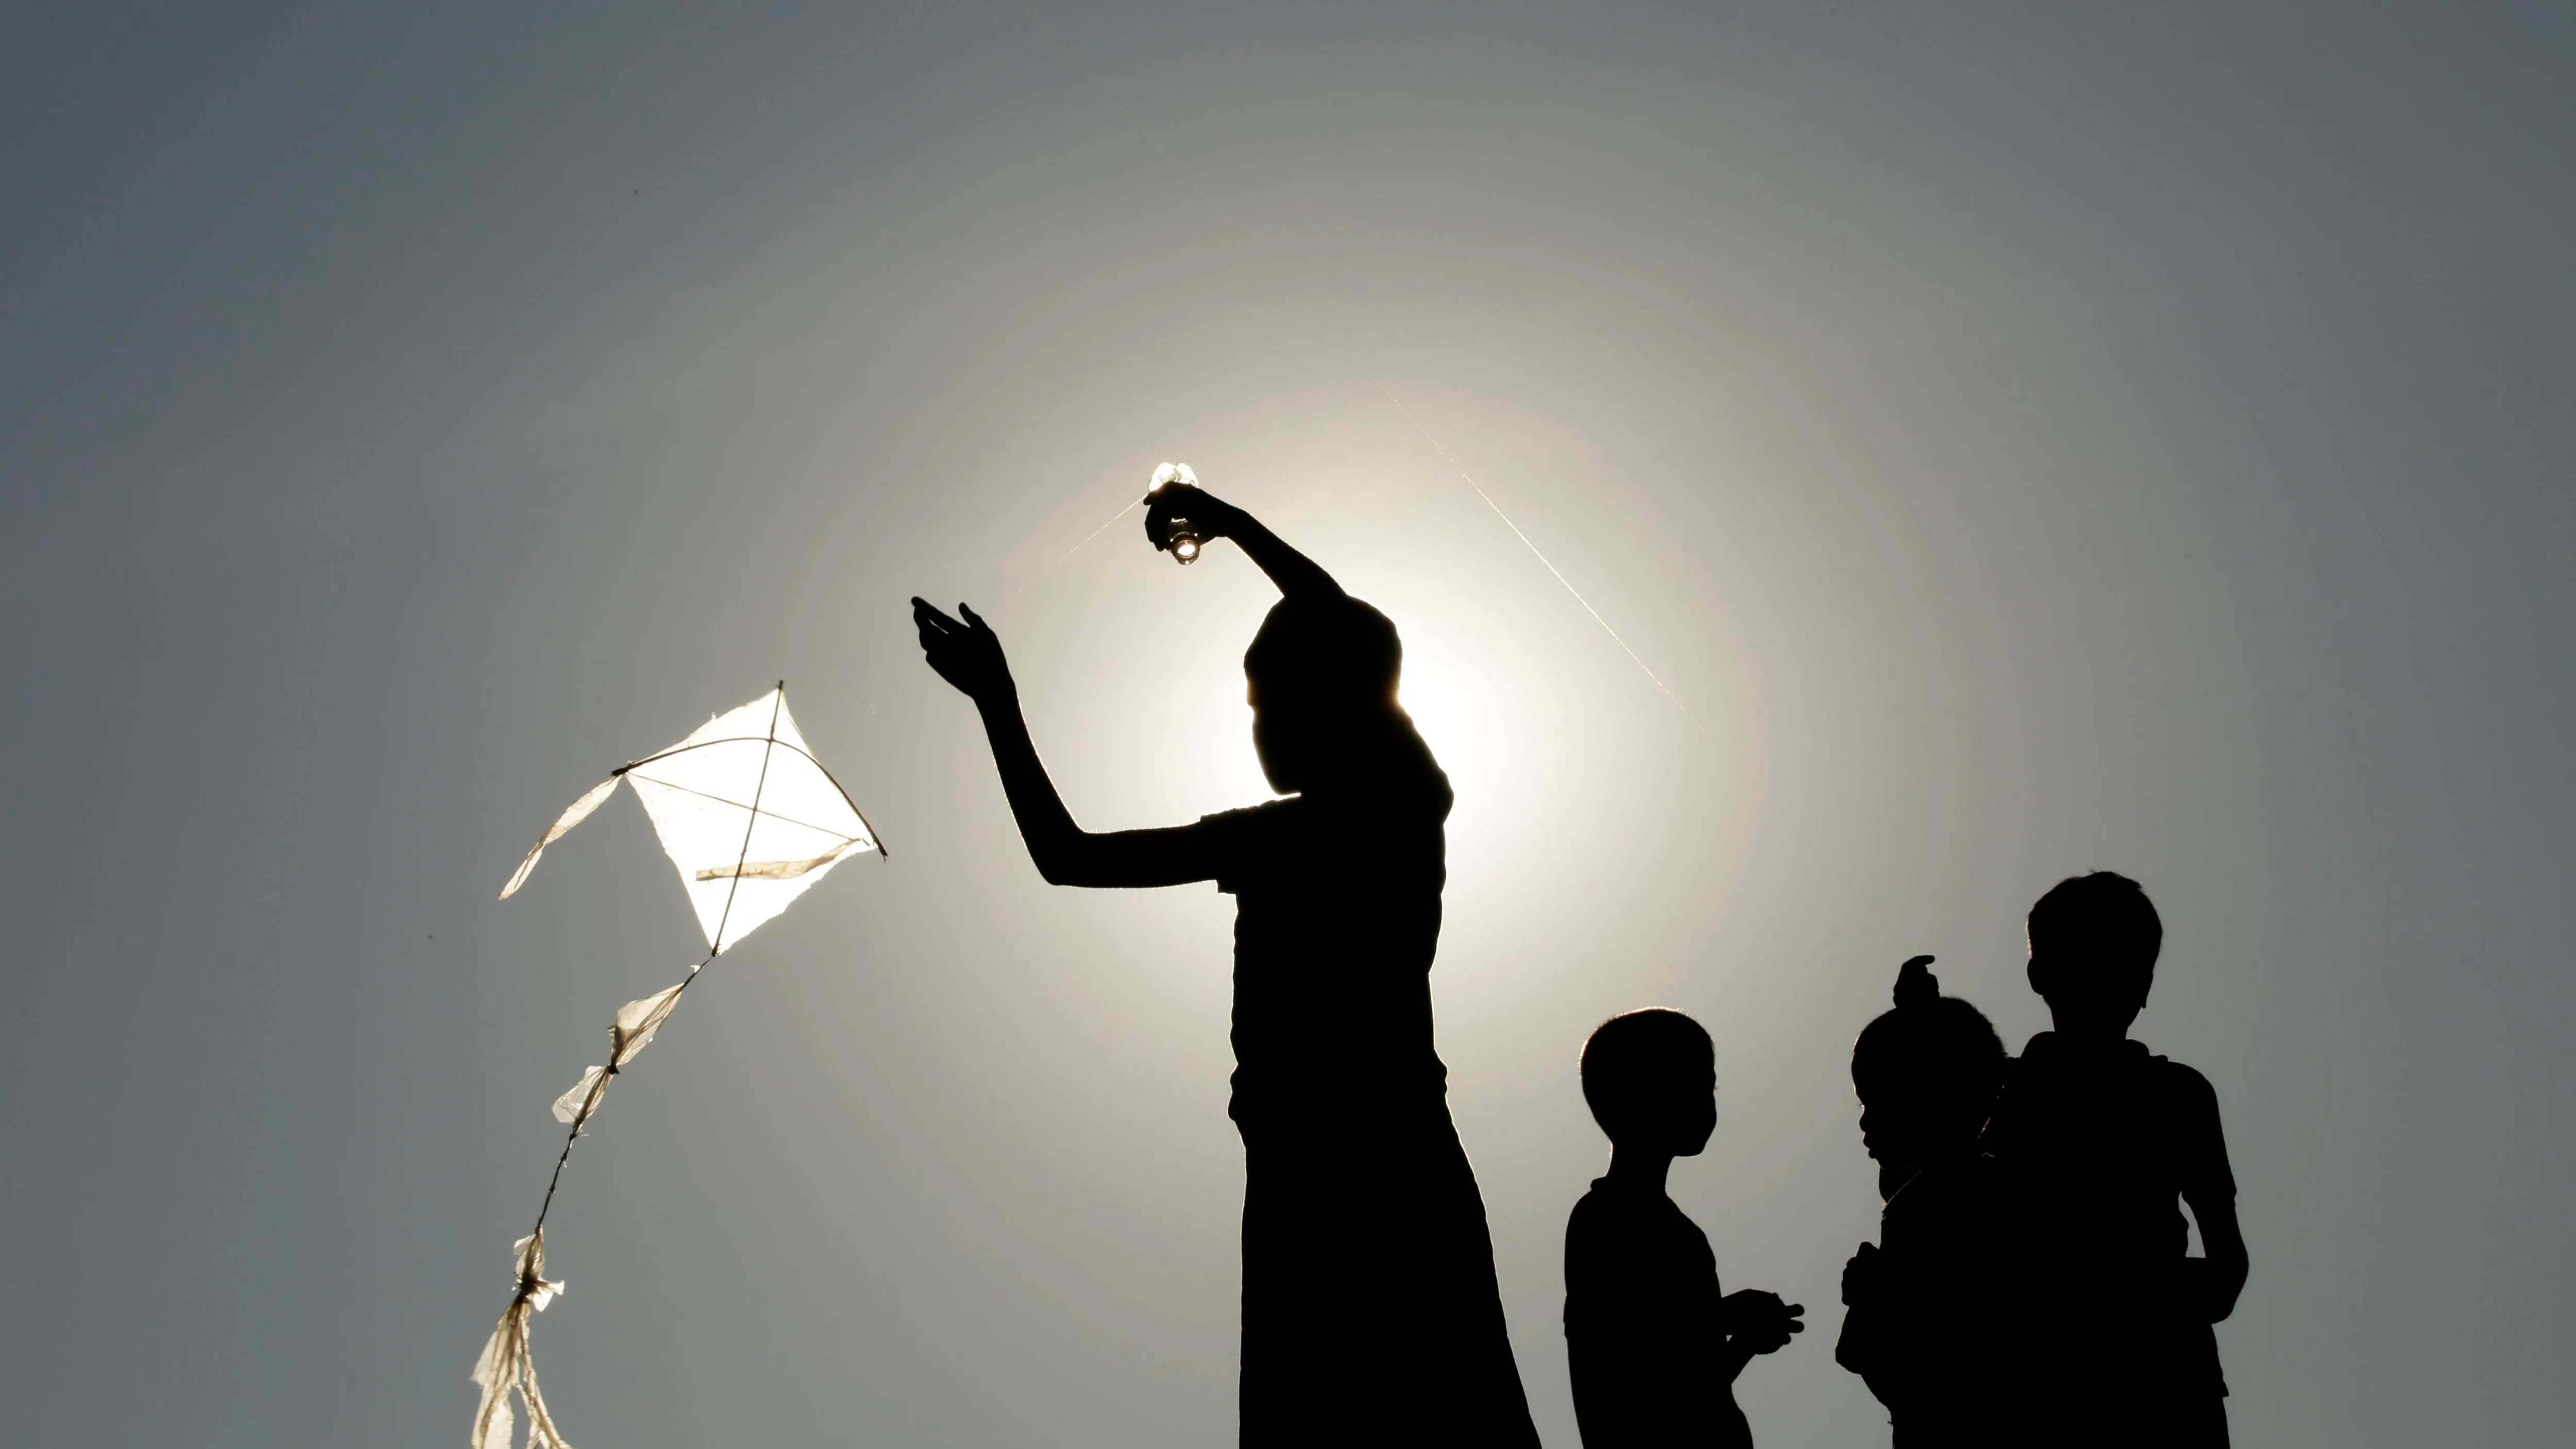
(2102, 1141)
(1653, 1346)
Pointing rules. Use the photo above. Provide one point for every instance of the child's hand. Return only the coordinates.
(1761, 1323)
(965, 653)
(1861, 1275)
(1209, 515)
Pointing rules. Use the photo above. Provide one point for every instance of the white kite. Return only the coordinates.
(752, 821)
(744, 810)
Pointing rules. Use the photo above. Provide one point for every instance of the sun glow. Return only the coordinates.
(1457, 715)
(1494, 746)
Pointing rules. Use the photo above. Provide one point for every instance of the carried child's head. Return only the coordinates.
(1650, 1078)
(1321, 678)
(2093, 946)
(1926, 1073)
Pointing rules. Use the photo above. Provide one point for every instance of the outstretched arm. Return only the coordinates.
(966, 653)
(1297, 576)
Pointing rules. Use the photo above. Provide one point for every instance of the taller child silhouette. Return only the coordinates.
(1370, 1311)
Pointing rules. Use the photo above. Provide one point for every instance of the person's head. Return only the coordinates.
(1650, 1078)
(1321, 677)
(1926, 1072)
(2093, 945)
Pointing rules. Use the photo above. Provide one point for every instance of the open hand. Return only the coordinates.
(966, 653)
(1209, 515)
(1759, 1321)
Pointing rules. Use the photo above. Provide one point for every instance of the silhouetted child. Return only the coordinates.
(1653, 1346)
(1371, 1313)
(2104, 1141)
(1933, 1304)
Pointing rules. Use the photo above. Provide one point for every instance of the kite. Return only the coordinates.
(752, 821)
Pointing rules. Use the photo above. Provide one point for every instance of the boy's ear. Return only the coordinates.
(2037, 973)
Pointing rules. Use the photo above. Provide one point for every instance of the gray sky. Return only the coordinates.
(2028, 441)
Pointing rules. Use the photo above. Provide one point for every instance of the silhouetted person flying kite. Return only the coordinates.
(1370, 1311)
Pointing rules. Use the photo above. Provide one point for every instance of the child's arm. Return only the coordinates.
(1297, 576)
(1861, 1347)
(967, 655)
(2209, 1188)
(2215, 1278)
(1755, 1322)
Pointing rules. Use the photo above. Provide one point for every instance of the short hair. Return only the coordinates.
(2104, 915)
(1930, 1042)
(1633, 1060)
(1325, 651)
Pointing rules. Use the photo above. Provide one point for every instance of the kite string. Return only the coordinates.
(1077, 548)
(716, 948)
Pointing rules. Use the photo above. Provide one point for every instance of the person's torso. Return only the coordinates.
(2099, 1146)
(1644, 1324)
(1336, 925)
(2098, 1151)
(1952, 1305)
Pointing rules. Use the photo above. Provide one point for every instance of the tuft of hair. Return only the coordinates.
(2104, 917)
(1325, 651)
(1637, 1062)
(1915, 983)
(1930, 1042)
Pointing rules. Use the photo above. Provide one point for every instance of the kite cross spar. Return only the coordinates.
(752, 821)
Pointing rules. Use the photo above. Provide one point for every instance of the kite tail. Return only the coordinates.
(507, 1366)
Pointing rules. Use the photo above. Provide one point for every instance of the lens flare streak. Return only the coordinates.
(1461, 470)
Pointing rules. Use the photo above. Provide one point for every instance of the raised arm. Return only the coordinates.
(966, 653)
(1297, 576)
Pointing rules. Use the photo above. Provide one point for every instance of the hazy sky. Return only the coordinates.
(2028, 441)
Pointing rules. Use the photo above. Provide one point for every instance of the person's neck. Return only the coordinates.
(2090, 1038)
(1638, 1169)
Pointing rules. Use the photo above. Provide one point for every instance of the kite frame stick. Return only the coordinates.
(878, 840)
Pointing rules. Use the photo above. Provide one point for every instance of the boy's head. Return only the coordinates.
(1651, 1080)
(1926, 1073)
(1321, 678)
(2093, 945)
